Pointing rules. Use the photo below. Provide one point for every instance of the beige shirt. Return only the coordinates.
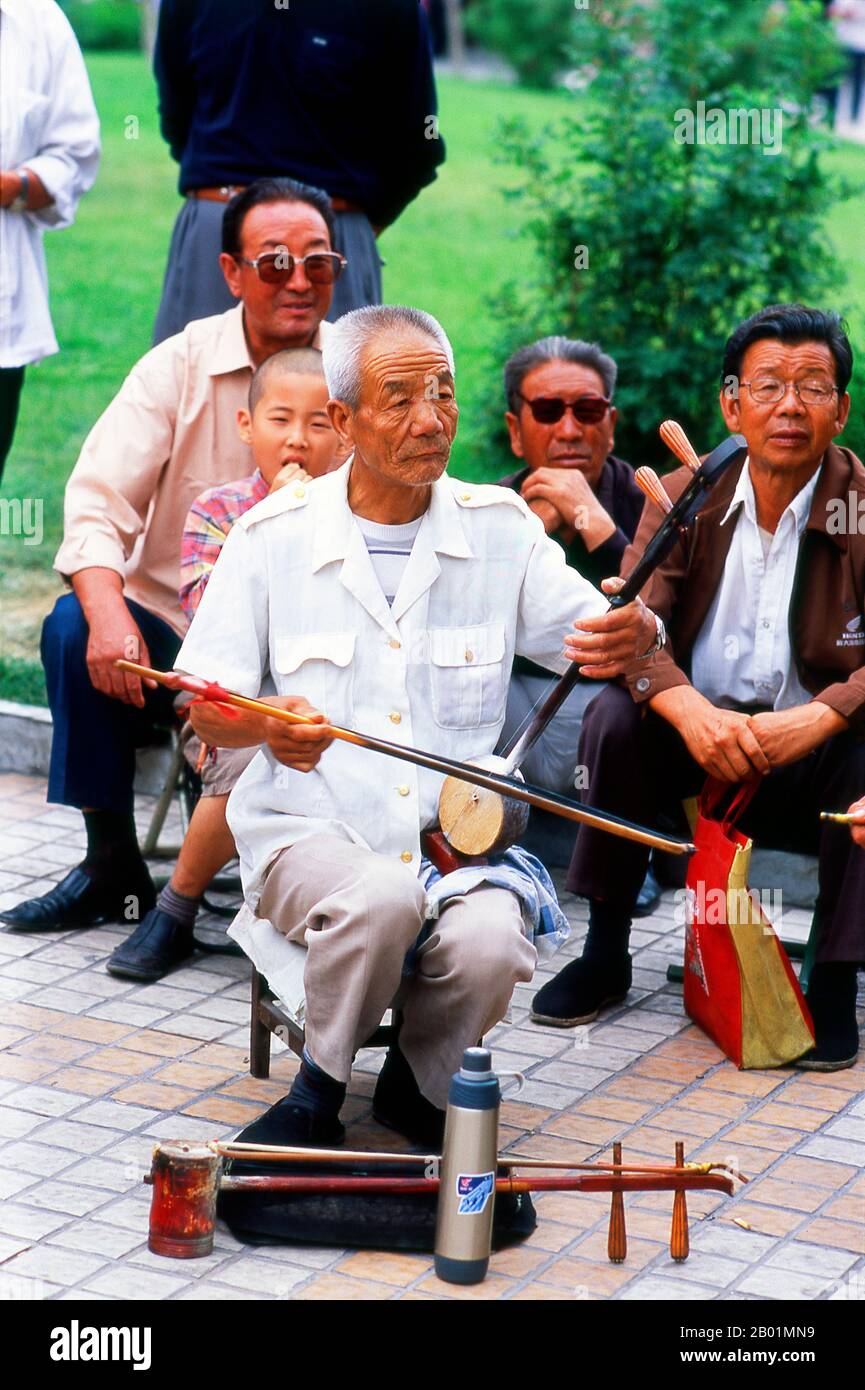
(169, 434)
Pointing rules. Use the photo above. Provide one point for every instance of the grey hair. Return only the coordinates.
(556, 349)
(345, 343)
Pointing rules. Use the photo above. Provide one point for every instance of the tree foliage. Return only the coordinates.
(682, 240)
(534, 36)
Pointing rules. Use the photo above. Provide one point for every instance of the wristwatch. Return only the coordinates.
(19, 202)
(660, 639)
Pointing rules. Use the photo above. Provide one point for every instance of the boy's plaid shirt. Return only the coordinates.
(208, 522)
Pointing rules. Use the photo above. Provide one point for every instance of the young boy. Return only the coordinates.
(289, 433)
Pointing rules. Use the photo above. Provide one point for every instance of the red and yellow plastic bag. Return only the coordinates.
(739, 983)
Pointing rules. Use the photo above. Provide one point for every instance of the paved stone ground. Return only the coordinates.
(93, 1070)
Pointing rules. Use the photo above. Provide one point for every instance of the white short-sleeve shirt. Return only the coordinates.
(294, 607)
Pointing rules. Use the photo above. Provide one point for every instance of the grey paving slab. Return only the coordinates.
(655, 1288)
(113, 1114)
(98, 1238)
(54, 1263)
(68, 1134)
(249, 1273)
(126, 1281)
(704, 1268)
(717, 1239)
(46, 1100)
(15, 1124)
(105, 1174)
(37, 1159)
(784, 1284)
(12, 1183)
(836, 1150)
(19, 1220)
(808, 1259)
(66, 1198)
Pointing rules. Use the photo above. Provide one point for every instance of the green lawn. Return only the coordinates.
(449, 253)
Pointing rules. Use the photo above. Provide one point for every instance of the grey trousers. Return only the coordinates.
(358, 914)
(553, 760)
(194, 286)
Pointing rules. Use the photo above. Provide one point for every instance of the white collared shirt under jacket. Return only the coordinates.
(48, 123)
(743, 654)
(294, 607)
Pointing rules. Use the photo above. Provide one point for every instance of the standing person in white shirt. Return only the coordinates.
(763, 678)
(49, 155)
(393, 598)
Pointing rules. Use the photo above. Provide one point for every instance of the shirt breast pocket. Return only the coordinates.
(468, 674)
(318, 666)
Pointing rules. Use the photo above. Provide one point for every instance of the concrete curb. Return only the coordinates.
(25, 738)
(25, 747)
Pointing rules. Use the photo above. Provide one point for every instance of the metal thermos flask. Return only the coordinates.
(467, 1188)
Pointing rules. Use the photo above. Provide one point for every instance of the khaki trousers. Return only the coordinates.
(358, 914)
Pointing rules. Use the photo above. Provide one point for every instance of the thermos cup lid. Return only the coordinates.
(475, 1060)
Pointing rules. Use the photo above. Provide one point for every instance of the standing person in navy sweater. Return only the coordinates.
(340, 96)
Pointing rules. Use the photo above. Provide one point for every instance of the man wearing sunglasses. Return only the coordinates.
(763, 677)
(169, 434)
(561, 422)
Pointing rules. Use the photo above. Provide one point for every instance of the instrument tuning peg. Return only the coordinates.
(679, 444)
(649, 483)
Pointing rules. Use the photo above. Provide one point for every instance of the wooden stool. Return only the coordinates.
(267, 1016)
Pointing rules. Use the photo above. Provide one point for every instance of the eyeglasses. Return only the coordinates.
(277, 267)
(548, 410)
(767, 390)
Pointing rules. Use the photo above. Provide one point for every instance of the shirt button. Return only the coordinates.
(765, 623)
(394, 644)
(470, 656)
(406, 856)
(394, 717)
(643, 684)
(300, 492)
(403, 790)
(465, 497)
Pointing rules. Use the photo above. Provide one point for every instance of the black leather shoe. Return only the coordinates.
(287, 1123)
(82, 901)
(398, 1103)
(580, 991)
(831, 998)
(158, 944)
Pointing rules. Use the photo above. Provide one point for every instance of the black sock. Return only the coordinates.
(315, 1090)
(609, 931)
(112, 842)
(182, 908)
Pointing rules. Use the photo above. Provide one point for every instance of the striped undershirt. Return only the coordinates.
(389, 548)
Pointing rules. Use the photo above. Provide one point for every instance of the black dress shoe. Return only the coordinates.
(398, 1103)
(580, 991)
(831, 998)
(287, 1123)
(83, 901)
(158, 944)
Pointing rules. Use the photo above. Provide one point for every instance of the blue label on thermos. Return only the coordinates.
(474, 1191)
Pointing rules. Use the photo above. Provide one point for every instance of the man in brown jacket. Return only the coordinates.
(762, 676)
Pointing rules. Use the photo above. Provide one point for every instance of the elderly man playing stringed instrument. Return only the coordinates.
(763, 680)
(393, 598)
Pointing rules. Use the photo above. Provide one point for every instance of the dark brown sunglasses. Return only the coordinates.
(548, 410)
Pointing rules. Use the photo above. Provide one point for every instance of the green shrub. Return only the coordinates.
(22, 681)
(105, 24)
(534, 36)
(682, 239)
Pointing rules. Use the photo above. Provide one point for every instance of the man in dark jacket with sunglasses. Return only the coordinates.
(561, 422)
